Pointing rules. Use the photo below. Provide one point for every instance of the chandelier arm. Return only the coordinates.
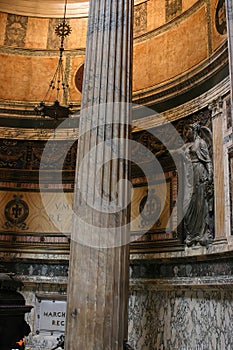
(64, 17)
(59, 78)
(65, 84)
(52, 83)
(59, 82)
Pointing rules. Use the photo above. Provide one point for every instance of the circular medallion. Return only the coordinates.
(220, 17)
(16, 210)
(150, 208)
(79, 78)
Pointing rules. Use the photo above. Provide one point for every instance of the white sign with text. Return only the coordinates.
(51, 316)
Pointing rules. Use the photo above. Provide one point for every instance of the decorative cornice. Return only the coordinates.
(31, 132)
(215, 68)
(188, 108)
(138, 2)
(39, 52)
(213, 252)
(49, 8)
(216, 107)
(181, 282)
(207, 271)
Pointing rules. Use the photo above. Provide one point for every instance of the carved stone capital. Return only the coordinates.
(216, 107)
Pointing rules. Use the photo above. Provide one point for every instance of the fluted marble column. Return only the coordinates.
(99, 261)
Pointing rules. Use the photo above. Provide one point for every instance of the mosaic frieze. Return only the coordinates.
(16, 29)
(17, 154)
(173, 9)
(36, 269)
(11, 155)
(152, 270)
(53, 41)
(140, 18)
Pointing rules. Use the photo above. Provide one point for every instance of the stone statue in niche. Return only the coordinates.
(198, 218)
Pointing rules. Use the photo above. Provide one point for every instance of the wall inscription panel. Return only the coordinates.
(49, 211)
(51, 316)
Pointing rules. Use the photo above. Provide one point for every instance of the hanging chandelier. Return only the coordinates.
(59, 84)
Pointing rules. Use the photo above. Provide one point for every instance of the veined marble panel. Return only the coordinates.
(195, 319)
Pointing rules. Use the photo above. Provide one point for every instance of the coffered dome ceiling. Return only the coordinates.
(45, 8)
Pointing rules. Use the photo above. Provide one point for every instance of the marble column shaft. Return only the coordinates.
(99, 261)
(216, 108)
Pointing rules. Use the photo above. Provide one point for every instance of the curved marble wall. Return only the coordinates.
(179, 318)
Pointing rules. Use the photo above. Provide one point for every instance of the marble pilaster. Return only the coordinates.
(98, 274)
(216, 108)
